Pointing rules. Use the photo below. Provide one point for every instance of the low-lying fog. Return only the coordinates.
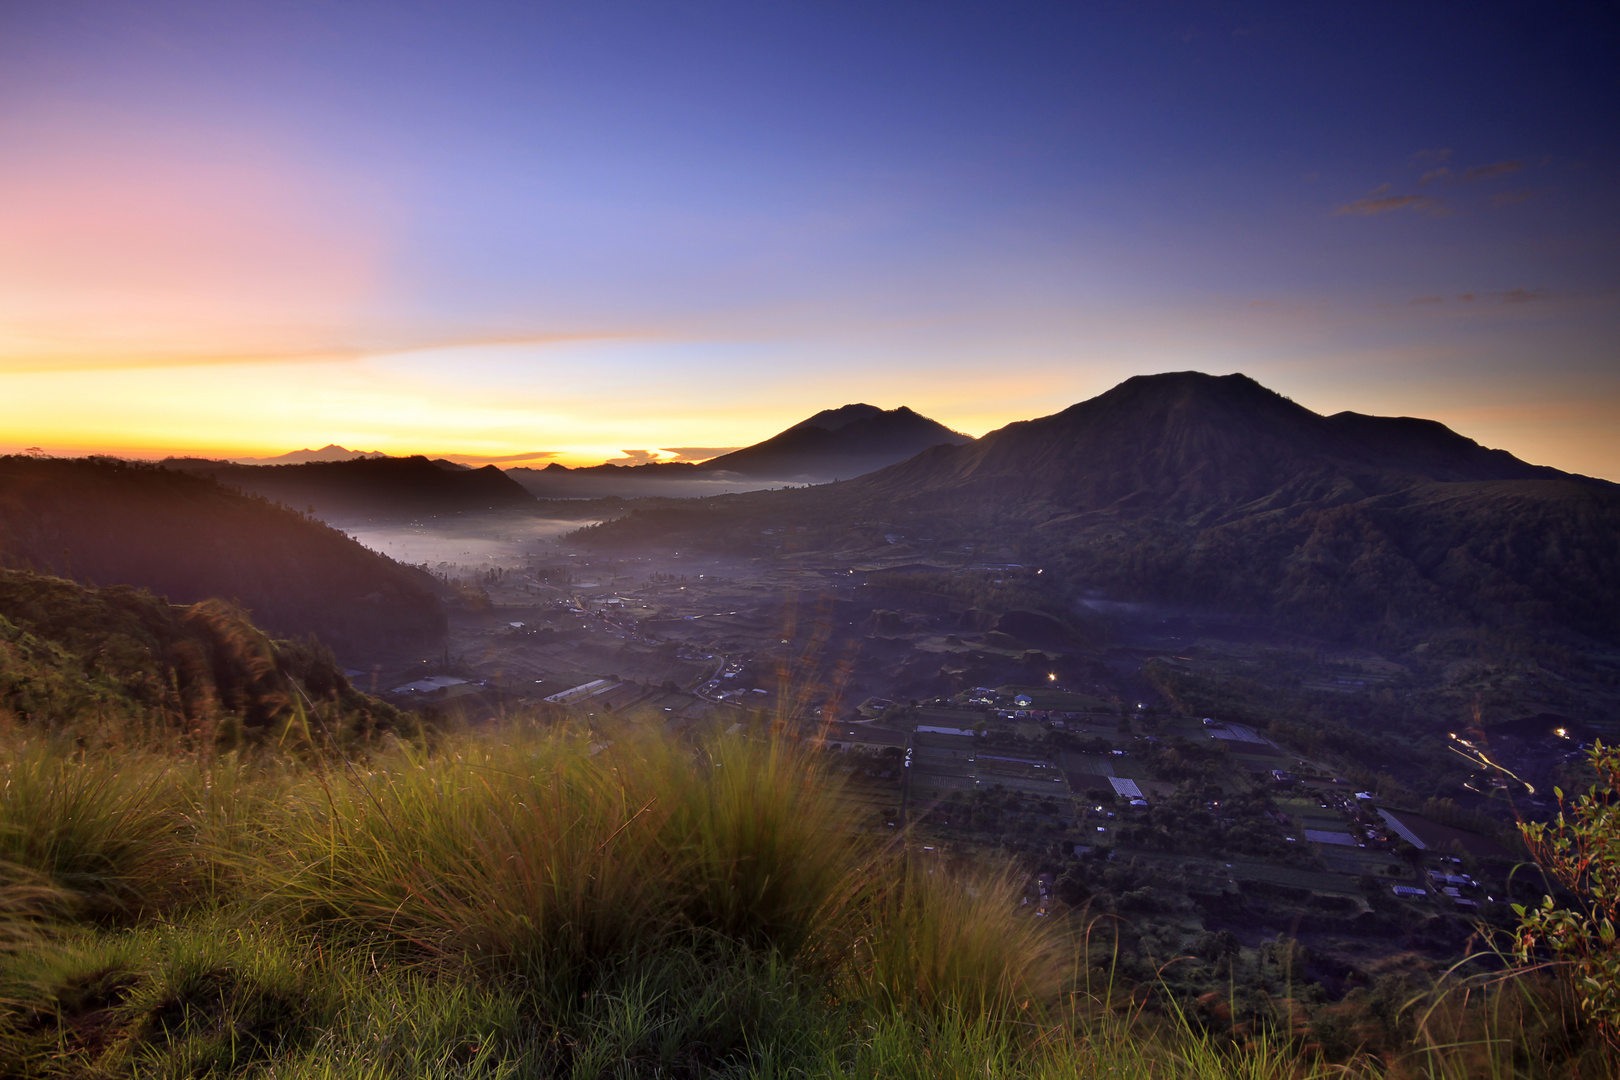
(462, 544)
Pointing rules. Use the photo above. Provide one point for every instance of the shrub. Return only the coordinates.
(1580, 851)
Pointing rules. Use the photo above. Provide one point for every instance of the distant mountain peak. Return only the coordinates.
(839, 444)
(329, 452)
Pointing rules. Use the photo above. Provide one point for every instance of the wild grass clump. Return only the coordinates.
(546, 904)
(93, 836)
(547, 858)
(960, 945)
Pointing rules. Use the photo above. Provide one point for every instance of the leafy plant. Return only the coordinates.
(1580, 851)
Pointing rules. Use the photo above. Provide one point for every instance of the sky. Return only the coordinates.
(577, 232)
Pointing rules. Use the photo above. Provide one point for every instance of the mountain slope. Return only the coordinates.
(1216, 493)
(835, 443)
(1192, 445)
(190, 539)
(832, 444)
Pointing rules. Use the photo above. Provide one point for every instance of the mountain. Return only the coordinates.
(1199, 448)
(836, 443)
(1217, 493)
(832, 444)
(381, 487)
(329, 452)
(190, 539)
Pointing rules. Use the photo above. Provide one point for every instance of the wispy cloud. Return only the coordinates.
(635, 457)
(77, 356)
(1434, 174)
(1508, 198)
(1485, 172)
(1523, 296)
(1509, 296)
(501, 459)
(1378, 202)
(698, 453)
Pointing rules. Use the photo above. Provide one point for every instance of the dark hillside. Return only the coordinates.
(371, 487)
(121, 659)
(1197, 447)
(188, 538)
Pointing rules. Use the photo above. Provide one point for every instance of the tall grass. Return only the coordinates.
(963, 946)
(105, 839)
(542, 905)
(543, 858)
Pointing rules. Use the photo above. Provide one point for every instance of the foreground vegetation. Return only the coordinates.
(549, 904)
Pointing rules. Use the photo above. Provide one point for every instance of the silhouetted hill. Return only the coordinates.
(188, 538)
(836, 443)
(1194, 446)
(1217, 493)
(371, 487)
(120, 658)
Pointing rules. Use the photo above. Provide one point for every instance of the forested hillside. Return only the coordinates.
(382, 487)
(105, 662)
(109, 522)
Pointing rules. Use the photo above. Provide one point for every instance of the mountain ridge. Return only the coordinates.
(1217, 493)
(1214, 442)
(381, 487)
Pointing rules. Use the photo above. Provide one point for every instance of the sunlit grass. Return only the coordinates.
(543, 904)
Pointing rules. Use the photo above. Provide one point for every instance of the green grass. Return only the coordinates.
(542, 905)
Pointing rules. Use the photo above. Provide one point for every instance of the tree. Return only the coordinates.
(1579, 850)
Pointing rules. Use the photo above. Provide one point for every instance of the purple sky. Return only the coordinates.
(574, 229)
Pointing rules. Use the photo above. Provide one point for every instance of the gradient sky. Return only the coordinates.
(575, 229)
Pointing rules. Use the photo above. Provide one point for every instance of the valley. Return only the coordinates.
(1192, 773)
(1259, 697)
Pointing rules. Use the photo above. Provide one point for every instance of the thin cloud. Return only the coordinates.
(59, 359)
(497, 459)
(1508, 198)
(635, 457)
(1434, 174)
(697, 453)
(1510, 296)
(1485, 172)
(1523, 296)
(1376, 202)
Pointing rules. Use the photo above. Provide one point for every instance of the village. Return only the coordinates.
(968, 743)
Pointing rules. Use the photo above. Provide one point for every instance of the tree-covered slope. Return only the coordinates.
(119, 659)
(382, 487)
(189, 539)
